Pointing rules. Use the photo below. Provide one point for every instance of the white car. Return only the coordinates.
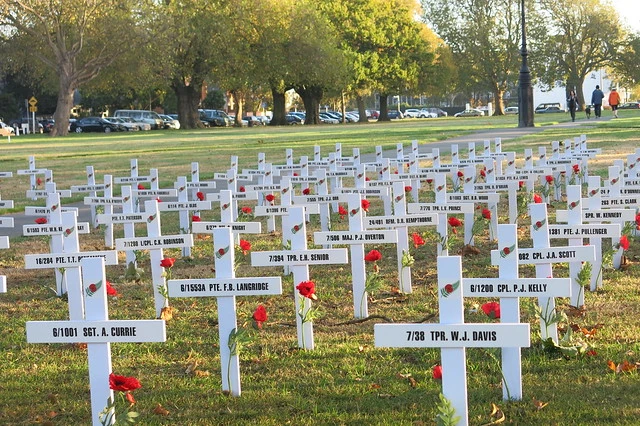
(470, 113)
(425, 113)
(170, 122)
(412, 113)
(130, 121)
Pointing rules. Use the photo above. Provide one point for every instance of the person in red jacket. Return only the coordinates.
(614, 101)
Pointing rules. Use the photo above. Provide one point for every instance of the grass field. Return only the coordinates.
(346, 380)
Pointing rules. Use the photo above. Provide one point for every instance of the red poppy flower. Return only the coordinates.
(245, 246)
(367, 179)
(195, 218)
(260, 316)
(246, 210)
(373, 256)
(93, 288)
(506, 250)
(343, 212)
(110, 290)
(624, 242)
(306, 191)
(221, 252)
(437, 372)
(167, 262)
(429, 181)
(549, 178)
(483, 173)
(520, 184)
(407, 188)
(242, 189)
(130, 398)
(365, 204)
(41, 220)
(295, 173)
(417, 240)
(538, 224)
(448, 288)
(200, 195)
(307, 289)
(158, 200)
(270, 197)
(454, 222)
(537, 199)
(122, 383)
(486, 213)
(141, 187)
(576, 168)
(492, 309)
(38, 181)
(460, 174)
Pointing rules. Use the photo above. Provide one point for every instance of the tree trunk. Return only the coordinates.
(279, 105)
(63, 107)
(498, 95)
(188, 101)
(238, 107)
(311, 97)
(361, 110)
(384, 108)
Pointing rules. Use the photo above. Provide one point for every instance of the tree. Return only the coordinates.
(585, 36)
(73, 38)
(626, 65)
(484, 37)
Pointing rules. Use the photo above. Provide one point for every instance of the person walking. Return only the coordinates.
(596, 100)
(614, 101)
(572, 104)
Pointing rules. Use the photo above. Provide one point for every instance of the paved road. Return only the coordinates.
(84, 212)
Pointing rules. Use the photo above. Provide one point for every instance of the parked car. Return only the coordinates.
(394, 114)
(130, 121)
(6, 130)
(216, 118)
(411, 113)
(142, 116)
(327, 119)
(47, 125)
(549, 109)
(437, 111)
(170, 122)
(372, 113)
(547, 105)
(469, 113)
(511, 110)
(630, 105)
(94, 124)
(128, 126)
(293, 119)
(425, 113)
(252, 120)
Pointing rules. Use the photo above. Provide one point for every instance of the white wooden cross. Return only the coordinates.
(98, 332)
(69, 259)
(92, 188)
(509, 287)
(298, 259)
(452, 335)
(4, 244)
(32, 172)
(155, 242)
(225, 287)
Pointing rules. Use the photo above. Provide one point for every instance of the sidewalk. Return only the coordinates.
(84, 212)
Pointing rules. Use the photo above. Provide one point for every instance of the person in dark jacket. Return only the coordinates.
(596, 100)
(572, 104)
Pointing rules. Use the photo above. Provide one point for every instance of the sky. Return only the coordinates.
(629, 11)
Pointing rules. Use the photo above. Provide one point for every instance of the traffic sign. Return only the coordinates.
(33, 101)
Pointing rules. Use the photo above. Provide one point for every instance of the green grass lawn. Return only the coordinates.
(346, 380)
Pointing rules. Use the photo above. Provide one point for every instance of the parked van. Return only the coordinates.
(142, 116)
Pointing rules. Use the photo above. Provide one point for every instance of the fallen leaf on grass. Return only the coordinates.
(573, 311)
(161, 410)
(166, 313)
(375, 386)
(191, 367)
(413, 382)
(624, 367)
(201, 373)
(497, 413)
(539, 404)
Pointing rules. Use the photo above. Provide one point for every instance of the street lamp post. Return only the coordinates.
(525, 90)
